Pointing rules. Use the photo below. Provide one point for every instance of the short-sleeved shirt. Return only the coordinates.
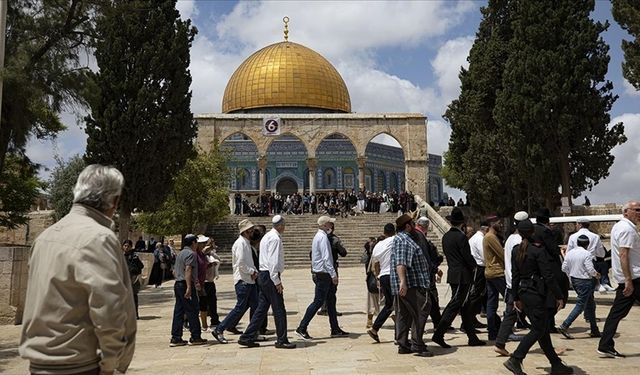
(625, 234)
(477, 249)
(382, 254)
(405, 251)
(185, 258)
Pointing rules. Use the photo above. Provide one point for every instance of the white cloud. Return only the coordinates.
(451, 56)
(187, 8)
(629, 89)
(622, 184)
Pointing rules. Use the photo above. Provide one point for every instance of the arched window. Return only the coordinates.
(243, 179)
(329, 178)
(348, 178)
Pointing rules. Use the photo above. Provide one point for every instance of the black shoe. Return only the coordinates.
(339, 333)
(610, 353)
(565, 333)
(475, 330)
(219, 336)
(424, 353)
(267, 332)
(515, 366)
(322, 312)
(524, 325)
(595, 334)
(303, 334)
(403, 350)
(479, 325)
(561, 369)
(440, 341)
(373, 335)
(197, 341)
(477, 342)
(554, 330)
(248, 343)
(338, 313)
(234, 330)
(178, 342)
(285, 345)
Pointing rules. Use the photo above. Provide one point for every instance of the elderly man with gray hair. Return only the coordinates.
(79, 315)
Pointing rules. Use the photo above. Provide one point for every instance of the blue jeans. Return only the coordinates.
(246, 297)
(585, 302)
(189, 307)
(495, 287)
(324, 292)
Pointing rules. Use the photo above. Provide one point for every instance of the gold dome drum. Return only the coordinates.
(289, 75)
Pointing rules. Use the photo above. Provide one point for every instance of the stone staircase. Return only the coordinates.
(299, 232)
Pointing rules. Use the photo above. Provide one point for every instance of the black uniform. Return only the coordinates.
(434, 259)
(534, 284)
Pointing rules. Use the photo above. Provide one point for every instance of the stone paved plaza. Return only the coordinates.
(324, 355)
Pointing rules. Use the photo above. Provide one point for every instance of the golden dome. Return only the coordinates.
(286, 74)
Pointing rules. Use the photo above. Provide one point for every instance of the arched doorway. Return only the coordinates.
(287, 186)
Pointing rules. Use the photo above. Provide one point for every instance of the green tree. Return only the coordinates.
(200, 195)
(63, 179)
(555, 98)
(19, 187)
(44, 70)
(627, 14)
(140, 119)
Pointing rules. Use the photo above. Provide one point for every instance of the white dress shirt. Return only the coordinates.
(513, 240)
(382, 254)
(321, 259)
(272, 255)
(595, 245)
(579, 264)
(625, 234)
(242, 261)
(477, 249)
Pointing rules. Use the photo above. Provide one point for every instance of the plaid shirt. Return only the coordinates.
(406, 252)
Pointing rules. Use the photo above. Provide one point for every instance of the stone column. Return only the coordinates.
(415, 177)
(361, 162)
(262, 166)
(312, 164)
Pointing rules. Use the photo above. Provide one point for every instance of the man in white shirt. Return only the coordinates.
(595, 245)
(578, 265)
(244, 278)
(272, 290)
(625, 261)
(323, 276)
(478, 292)
(381, 258)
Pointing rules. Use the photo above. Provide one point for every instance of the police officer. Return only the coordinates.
(536, 292)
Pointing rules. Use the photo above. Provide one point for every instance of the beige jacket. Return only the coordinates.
(79, 311)
(493, 256)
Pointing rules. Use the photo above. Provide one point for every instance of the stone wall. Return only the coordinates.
(25, 234)
(13, 283)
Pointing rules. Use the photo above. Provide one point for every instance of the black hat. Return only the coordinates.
(389, 228)
(543, 215)
(583, 241)
(456, 217)
(525, 226)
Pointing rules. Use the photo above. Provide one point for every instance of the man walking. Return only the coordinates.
(79, 315)
(409, 283)
(595, 247)
(381, 258)
(460, 276)
(430, 251)
(325, 278)
(244, 278)
(272, 290)
(494, 274)
(625, 261)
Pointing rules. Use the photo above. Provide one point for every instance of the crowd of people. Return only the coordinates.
(78, 271)
(336, 203)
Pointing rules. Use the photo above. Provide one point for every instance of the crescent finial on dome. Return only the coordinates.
(286, 28)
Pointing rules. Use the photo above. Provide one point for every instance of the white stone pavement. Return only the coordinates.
(356, 354)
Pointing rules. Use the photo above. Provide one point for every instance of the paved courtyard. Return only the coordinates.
(357, 354)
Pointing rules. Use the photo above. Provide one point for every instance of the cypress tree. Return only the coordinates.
(627, 14)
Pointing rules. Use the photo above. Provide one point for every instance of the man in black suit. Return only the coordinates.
(460, 264)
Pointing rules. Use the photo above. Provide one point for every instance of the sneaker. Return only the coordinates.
(514, 366)
(285, 345)
(565, 332)
(502, 351)
(177, 342)
(339, 333)
(561, 369)
(219, 336)
(303, 334)
(248, 343)
(609, 288)
(602, 289)
(197, 341)
(610, 353)
(373, 335)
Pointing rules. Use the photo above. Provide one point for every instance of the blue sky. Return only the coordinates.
(394, 57)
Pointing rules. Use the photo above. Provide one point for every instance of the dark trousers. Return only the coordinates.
(539, 315)
(459, 304)
(478, 296)
(246, 297)
(413, 310)
(212, 302)
(434, 311)
(508, 321)
(188, 307)
(495, 288)
(619, 310)
(268, 298)
(324, 292)
(387, 309)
